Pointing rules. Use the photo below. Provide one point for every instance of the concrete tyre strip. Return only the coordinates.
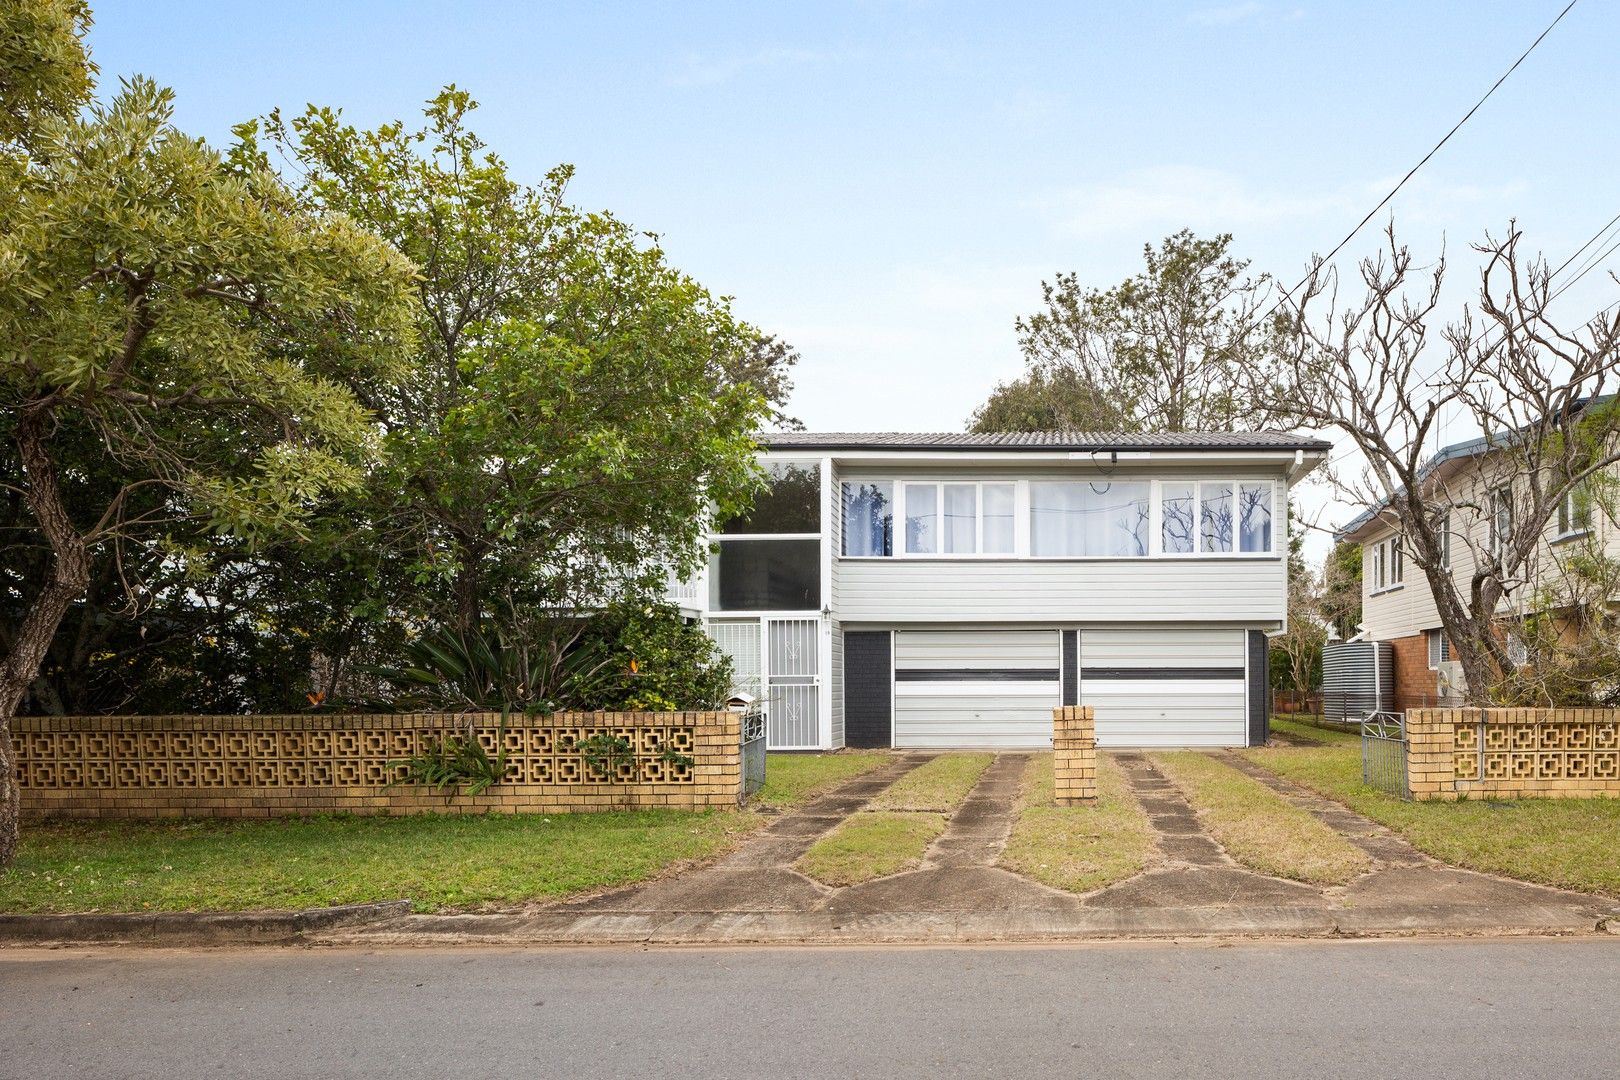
(1385, 847)
(978, 829)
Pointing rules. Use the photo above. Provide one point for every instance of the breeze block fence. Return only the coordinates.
(265, 766)
(1074, 754)
(1513, 753)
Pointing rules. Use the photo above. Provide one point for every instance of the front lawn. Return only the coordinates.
(439, 861)
(1079, 848)
(1568, 843)
(1260, 828)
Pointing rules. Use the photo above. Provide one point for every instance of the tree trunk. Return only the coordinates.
(70, 577)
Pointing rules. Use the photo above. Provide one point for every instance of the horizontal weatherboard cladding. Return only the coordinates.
(1161, 673)
(976, 675)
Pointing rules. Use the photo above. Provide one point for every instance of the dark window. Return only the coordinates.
(792, 503)
(766, 575)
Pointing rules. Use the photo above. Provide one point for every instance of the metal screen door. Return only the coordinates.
(793, 683)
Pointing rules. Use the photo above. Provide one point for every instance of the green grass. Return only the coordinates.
(1078, 848)
(1260, 828)
(439, 861)
(871, 845)
(1304, 728)
(938, 785)
(1568, 843)
(793, 778)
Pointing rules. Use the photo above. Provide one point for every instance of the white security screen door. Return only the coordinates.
(792, 683)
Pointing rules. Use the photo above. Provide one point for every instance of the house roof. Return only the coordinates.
(1039, 440)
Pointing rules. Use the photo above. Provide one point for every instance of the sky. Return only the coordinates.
(887, 183)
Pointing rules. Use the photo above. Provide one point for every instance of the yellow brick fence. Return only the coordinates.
(1513, 753)
(262, 766)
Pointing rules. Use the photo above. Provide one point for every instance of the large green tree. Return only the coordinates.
(172, 317)
(576, 405)
(1176, 347)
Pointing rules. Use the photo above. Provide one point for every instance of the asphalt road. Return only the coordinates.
(1318, 1010)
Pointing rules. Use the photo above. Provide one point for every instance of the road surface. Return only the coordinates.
(1277, 1010)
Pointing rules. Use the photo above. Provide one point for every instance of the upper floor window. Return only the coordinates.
(1443, 534)
(1388, 564)
(1575, 511)
(1054, 518)
(790, 504)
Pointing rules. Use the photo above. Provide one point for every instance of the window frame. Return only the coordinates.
(1389, 565)
(1501, 504)
(1021, 517)
(1439, 649)
(1568, 528)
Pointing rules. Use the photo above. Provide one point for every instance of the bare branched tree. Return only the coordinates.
(1385, 373)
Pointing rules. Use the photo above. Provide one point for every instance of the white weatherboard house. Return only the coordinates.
(948, 590)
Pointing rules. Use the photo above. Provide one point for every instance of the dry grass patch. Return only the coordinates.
(1078, 848)
(1260, 828)
(871, 845)
(938, 785)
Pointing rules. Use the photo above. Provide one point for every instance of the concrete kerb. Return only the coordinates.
(195, 927)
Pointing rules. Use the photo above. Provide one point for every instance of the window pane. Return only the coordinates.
(1216, 517)
(766, 575)
(792, 503)
(1176, 508)
(1088, 519)
(961, 518)
(922, 519)
(998, 519)
(1254, 501)
(869, 519)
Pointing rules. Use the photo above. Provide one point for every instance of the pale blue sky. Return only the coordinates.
(886, 183)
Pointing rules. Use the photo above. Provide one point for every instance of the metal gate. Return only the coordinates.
(753, 750)
(793, 683)
(1383, 753)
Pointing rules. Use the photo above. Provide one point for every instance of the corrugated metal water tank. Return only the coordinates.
(1358, 679)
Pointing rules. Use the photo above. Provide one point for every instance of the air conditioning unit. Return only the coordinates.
(1452, 686)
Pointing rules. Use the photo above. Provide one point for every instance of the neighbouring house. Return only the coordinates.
(949, 590)
(1398, 605)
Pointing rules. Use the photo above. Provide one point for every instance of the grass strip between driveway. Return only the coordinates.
(1567, 843)
(1258, 827)
(871, 845)
(442, 862)
(937, 785)
(791, 779)
(1079, 848)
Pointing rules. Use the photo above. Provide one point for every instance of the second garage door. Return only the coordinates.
(1165, 687)
(975, 687)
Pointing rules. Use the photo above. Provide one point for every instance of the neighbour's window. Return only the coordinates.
(1378, 566)
(869, 518)
(1389, 564)
(1443, 533)
(1575, 511)
(1439, 648)
(1088, 518)
(1501, 520)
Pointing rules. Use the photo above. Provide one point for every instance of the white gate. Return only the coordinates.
(739, 639)
(793, 683)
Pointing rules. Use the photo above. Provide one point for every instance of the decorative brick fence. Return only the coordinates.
(261, 766)
(1512, 753)
(1074, 754)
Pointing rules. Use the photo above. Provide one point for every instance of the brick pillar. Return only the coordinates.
(1431, 738)
(1074, 754)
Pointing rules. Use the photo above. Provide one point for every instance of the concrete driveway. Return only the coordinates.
(959, 893)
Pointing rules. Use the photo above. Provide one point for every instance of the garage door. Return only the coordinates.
(1165, 687)
(975, 687)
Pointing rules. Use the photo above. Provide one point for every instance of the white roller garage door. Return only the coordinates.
(975, 687)
(1165, 687)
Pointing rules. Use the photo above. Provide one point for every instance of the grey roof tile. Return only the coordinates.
(1039, 440)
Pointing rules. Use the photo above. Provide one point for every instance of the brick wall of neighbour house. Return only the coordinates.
(1513, 753)
(263, 766)
(1416, 684)
(1074, 754)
